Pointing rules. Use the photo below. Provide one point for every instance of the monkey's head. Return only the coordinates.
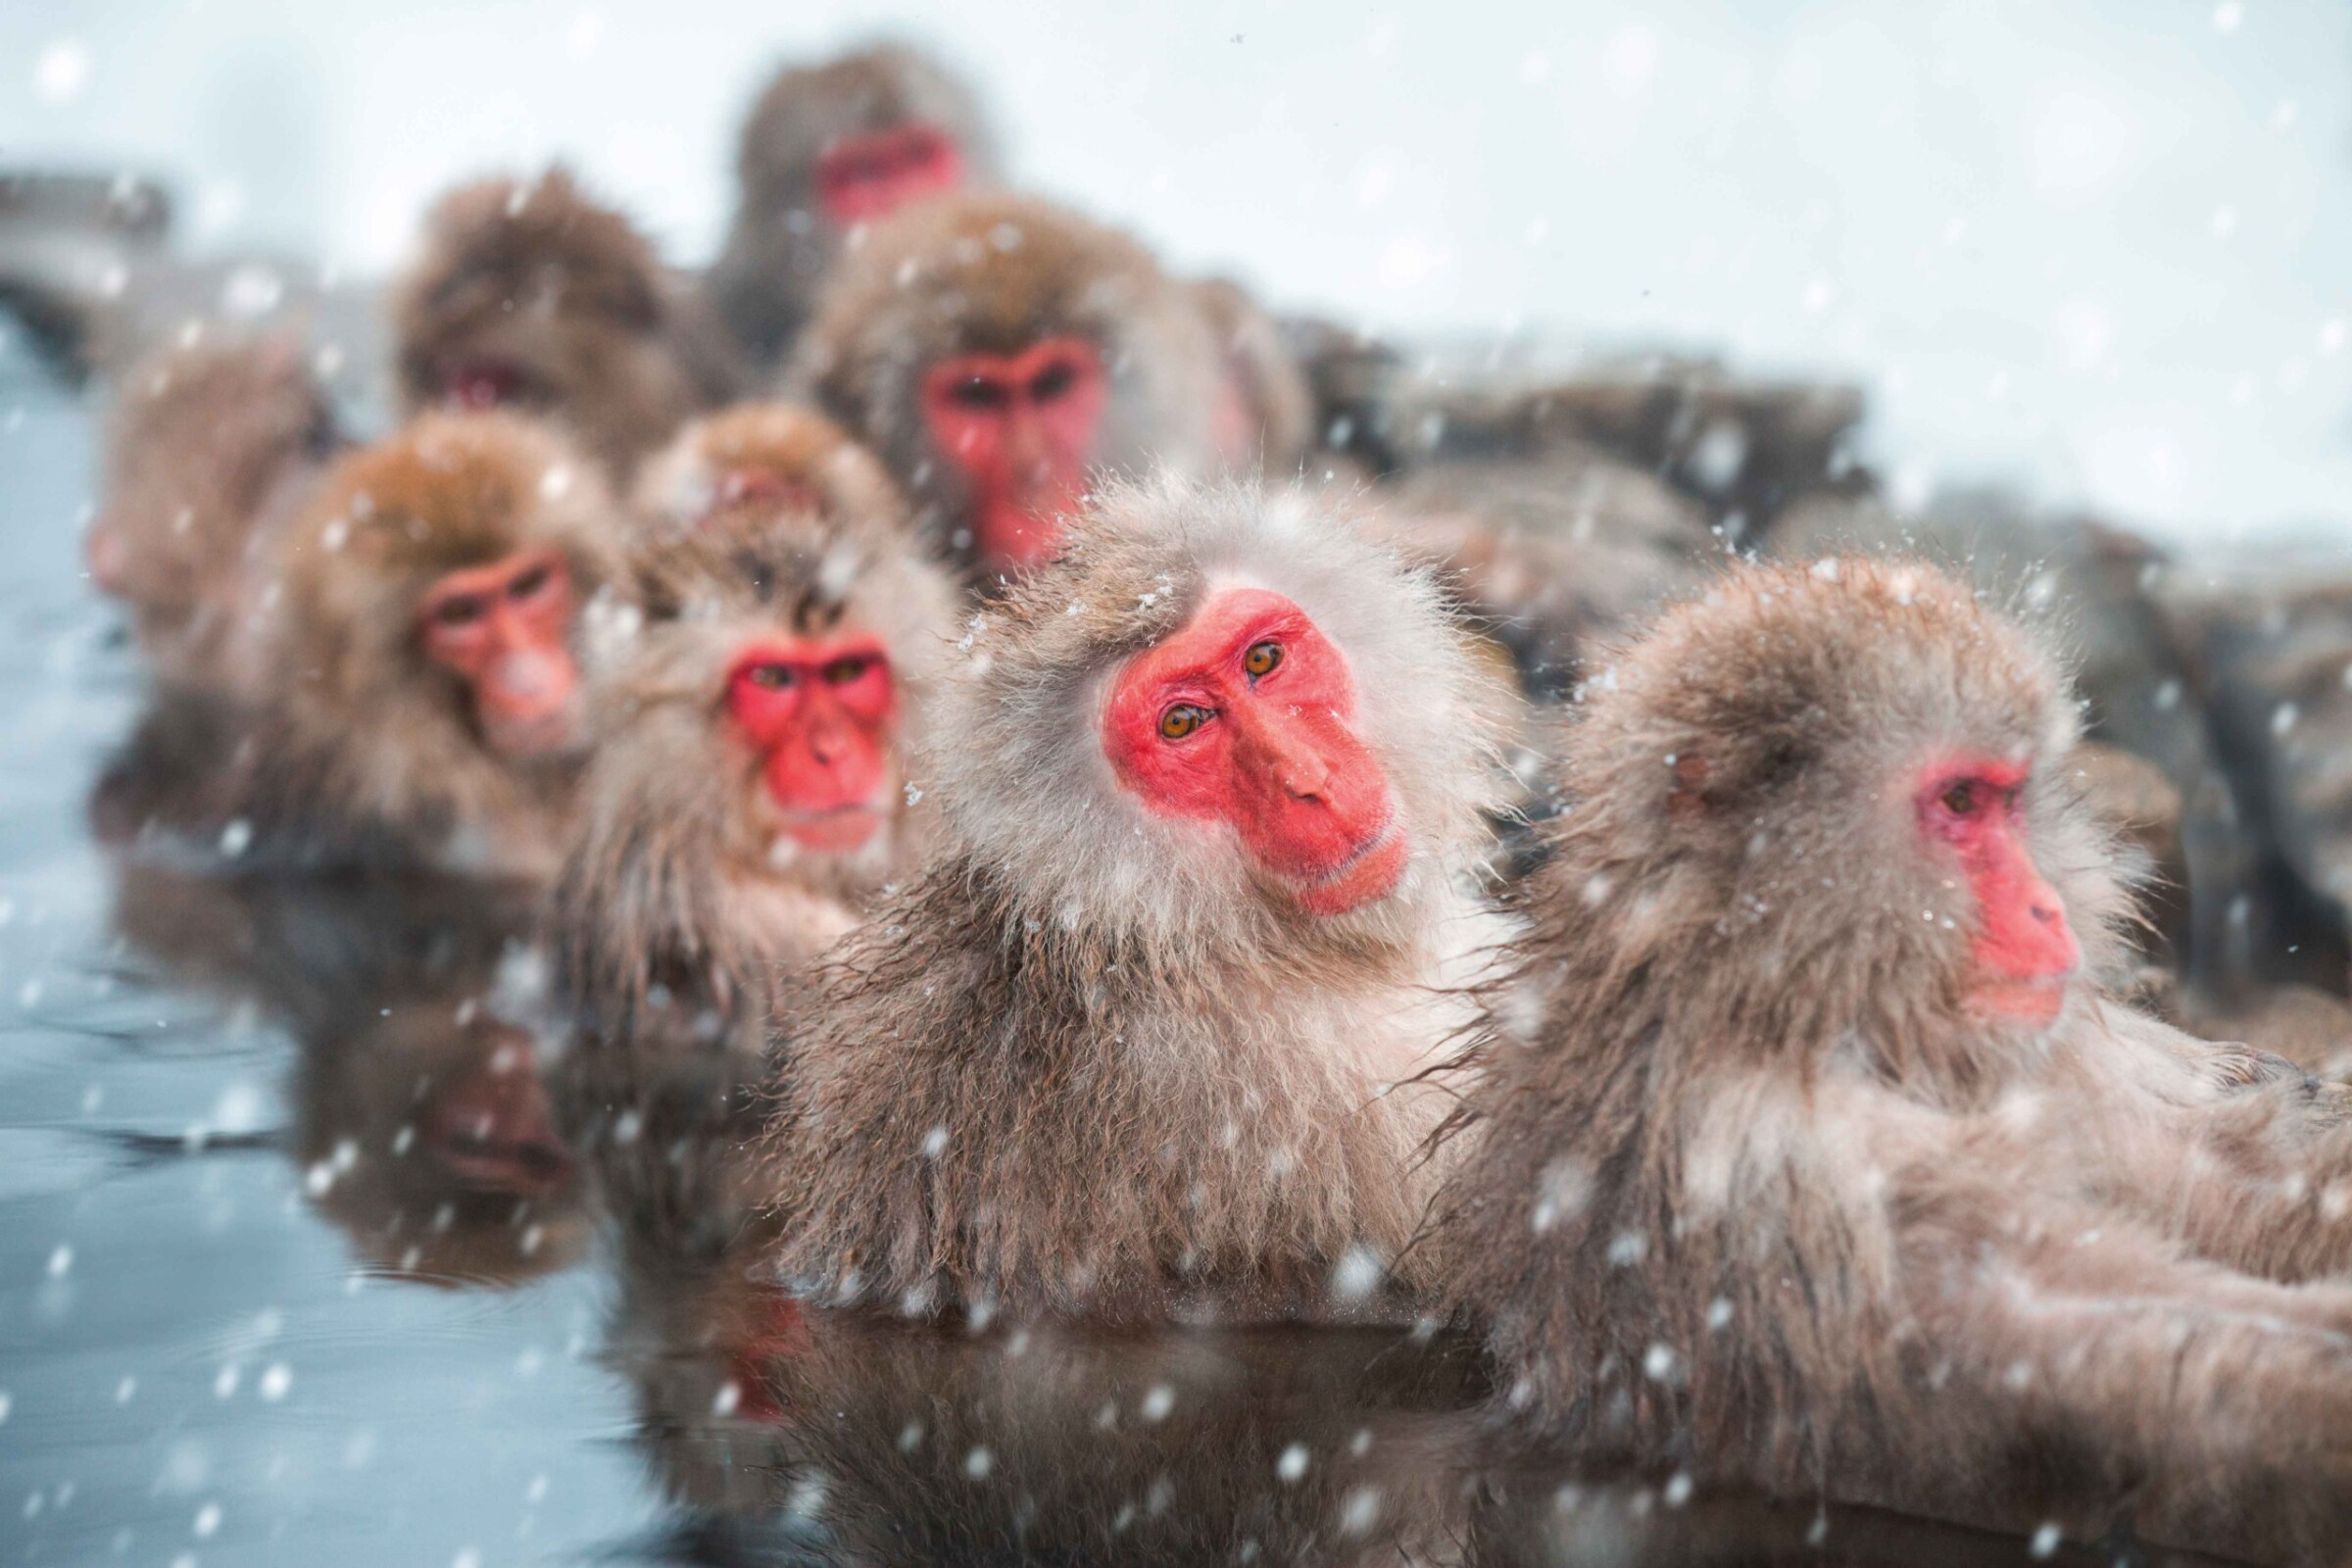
(851, 141)
(440, 580)
(200, 437)
(759, 461)
(1845, 777)
(1223, 720)
(1002, 356)
(751, 740)
(528, 295)
(786, 609)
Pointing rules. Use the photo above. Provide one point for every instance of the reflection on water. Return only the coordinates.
(317, 1244)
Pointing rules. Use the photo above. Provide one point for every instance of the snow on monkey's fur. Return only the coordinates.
(1760, 1192)
(1095, 1061)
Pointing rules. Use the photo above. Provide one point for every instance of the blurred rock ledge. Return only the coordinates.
(90, 273)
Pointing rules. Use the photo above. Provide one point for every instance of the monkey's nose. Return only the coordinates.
(1305, 778)
(828, 737)
(1039, 487)
(528, 675)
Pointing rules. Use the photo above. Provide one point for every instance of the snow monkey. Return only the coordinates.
(426, 690)
(828, 149)
(210, 448)
(748, 794)
(1001, 354)
(531, 295)
(1809, 1150)
(1143, 1041)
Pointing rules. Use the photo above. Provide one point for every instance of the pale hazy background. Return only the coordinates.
(2102, 249)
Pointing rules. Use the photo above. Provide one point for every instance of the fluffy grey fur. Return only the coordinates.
(567, 297)
(679, 877)
(1269, 410)
(1091, 1063)
(210, 450)
(1756, 1194)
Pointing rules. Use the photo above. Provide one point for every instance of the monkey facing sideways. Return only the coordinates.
(827, 149)
(1000, 356)
(424, 700)
(1141, 1042)
(748, 795)
(210, 449)
(1807, 1149)
(529, 295)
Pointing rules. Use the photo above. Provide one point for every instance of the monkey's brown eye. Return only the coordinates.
(772, 678)
(979, 392)
(459, 609)
(841, 671)
(1960, 797)
(527, 583)
(1261, 659)
(1182, 720)
(1052, 381)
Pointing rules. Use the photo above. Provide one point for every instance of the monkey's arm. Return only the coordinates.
(2264, 1184)
(2226, 1397)
(2233, 1150)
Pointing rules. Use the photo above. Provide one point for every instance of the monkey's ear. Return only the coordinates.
(1686, 792)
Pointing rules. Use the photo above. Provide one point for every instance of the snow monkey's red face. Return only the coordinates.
(1247, 716)
(1023, 429)
(864, 179)
(503, 630)
(821, 713)
(2024, 951)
